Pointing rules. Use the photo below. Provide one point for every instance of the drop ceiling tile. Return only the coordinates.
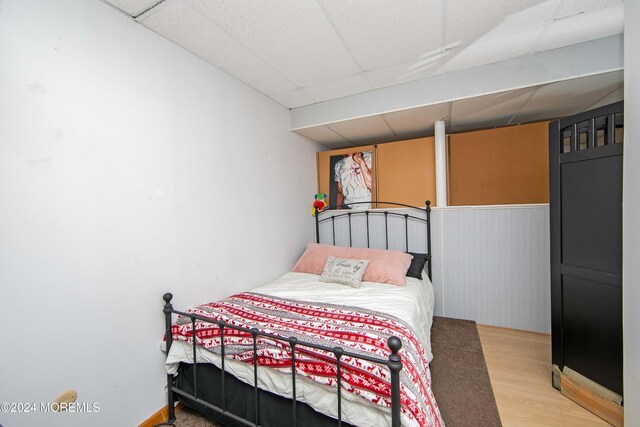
(583, 27)
(380, 33)
(336, 145)
(293, 36)
(296, 98)
(366, 130)
(569, 97)
(492, 50)
(615, 96)
(528, 18)
(339, 88)
(488, 110)
(407, 72)
(416, 121)
(186, 27)
(422, 133)
(133, 7)
(574, 7)
(468, 21)
(322, 135)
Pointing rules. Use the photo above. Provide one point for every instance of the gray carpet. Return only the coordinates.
(188, 418)
(460, 379)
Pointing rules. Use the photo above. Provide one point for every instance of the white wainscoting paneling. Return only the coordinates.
(495, 265)
(490, 263)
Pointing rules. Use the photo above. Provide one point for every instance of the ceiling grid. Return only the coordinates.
(311, 53)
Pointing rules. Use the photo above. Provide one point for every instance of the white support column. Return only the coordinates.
(441, 164)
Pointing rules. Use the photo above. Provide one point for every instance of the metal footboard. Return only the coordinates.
(394, 363)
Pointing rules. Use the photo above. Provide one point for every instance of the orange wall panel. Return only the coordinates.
(507, 165)
(499, 166)
(406, 172)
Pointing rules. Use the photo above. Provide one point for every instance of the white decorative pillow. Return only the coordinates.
(344, 271)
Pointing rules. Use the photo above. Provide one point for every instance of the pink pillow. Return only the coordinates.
(384, 266)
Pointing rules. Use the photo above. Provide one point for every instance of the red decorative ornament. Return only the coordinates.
(319, 205)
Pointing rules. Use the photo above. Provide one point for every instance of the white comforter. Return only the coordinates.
(413, 303)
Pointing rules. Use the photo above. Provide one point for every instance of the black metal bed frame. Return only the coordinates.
(393, 362)
(349, 214)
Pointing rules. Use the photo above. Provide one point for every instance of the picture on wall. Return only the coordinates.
(350, 180)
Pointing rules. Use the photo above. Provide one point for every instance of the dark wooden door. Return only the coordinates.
(585, 154)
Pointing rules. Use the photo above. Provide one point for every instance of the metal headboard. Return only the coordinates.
(322, 218)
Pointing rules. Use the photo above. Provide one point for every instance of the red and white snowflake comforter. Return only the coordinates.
(360, 330)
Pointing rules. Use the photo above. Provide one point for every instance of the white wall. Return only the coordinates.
(128, 167)
(631, 213)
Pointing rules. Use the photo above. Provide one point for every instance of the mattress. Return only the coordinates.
(413, 303)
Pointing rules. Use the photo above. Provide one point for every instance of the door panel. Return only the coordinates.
(585, 187)
(593, 330)
(591, 193)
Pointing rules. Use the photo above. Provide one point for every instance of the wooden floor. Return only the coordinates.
(519, 366)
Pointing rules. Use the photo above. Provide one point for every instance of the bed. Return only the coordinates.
(257, 350)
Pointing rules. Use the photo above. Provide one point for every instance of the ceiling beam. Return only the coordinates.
(578, 60)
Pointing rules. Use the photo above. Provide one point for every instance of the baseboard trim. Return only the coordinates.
(161, 416)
